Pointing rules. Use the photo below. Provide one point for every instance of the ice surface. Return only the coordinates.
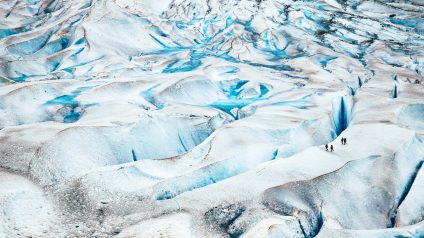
(193, 118)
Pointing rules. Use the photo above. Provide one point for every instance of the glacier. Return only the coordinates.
(209, 118)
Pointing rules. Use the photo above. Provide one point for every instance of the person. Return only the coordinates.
(326, 147)
(344, 140)
(332, 148)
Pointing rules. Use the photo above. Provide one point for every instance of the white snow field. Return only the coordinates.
(208, 118)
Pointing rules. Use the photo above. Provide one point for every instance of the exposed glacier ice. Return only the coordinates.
(193, 118)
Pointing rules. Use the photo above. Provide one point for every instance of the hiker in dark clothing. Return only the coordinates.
(344, 141)
(326, 147)
(332, 148)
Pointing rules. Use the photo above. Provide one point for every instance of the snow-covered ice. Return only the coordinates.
(208, 118)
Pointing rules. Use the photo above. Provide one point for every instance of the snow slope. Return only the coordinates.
(178, 118)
